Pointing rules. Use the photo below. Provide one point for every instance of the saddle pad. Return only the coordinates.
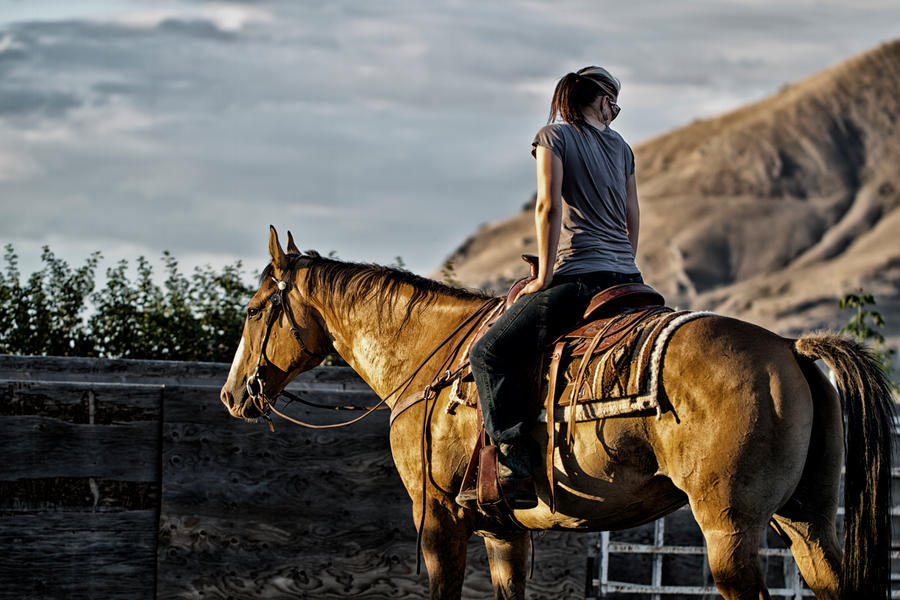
(619, 379)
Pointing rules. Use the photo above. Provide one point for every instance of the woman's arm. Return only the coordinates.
(632, 213)
(547, 216)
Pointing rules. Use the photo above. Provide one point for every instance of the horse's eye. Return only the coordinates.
(252, 312)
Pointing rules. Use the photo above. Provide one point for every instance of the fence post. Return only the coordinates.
(604, 562)
(659, 533)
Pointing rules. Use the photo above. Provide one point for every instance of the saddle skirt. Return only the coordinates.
(611, 367)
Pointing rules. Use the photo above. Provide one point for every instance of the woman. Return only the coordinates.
(587, 222)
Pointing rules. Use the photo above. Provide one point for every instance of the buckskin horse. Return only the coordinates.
(752, 435)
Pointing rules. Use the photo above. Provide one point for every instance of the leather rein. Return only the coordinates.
(266, 405)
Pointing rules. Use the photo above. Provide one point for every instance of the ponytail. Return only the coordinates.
(576, 90)
(572, 93)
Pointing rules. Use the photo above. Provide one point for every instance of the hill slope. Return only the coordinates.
(770, 212)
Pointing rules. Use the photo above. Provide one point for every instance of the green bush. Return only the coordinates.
(57, 311)
(865, 324)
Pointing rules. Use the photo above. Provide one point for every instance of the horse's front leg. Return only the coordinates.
(508, 556)
(445, 537)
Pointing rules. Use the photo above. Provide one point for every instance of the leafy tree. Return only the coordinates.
(198, 318)
(45, 314)
(859, 326)
(448, 273)
(57, 311)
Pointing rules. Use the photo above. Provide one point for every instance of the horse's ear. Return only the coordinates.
(291, 246)
(279, 258)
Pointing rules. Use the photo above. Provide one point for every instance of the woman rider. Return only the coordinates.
(587, 222)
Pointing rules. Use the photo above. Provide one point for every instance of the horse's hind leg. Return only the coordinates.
(814, 545)
(507, 557)
(807, 520)
(733, 552)
(739, 447)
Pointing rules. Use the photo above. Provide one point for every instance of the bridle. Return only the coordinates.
(256, 388)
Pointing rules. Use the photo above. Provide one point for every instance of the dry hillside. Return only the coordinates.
(770, 212)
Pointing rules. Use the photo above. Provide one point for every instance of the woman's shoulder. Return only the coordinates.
(616, 135)
(558, 133)
(617, 139)
(559, 128)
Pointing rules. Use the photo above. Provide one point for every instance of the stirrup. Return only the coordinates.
(519, 493)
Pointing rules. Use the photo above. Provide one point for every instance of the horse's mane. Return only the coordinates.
(359, 283)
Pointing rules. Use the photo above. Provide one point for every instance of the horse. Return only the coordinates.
(753, 434)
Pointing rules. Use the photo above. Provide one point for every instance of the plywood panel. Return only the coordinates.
(298, 513)
(78, 555)
(44, 447)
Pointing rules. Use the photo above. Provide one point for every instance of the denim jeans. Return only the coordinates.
(502, 359)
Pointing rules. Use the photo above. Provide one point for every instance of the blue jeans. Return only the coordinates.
(507, 354)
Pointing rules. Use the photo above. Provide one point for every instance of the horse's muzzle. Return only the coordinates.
(238, 407)
(226, 397)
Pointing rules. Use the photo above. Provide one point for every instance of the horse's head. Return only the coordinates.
(283, 335)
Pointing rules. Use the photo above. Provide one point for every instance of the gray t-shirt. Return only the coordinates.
(596, 165)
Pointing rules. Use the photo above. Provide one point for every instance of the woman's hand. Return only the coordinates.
(535, 285)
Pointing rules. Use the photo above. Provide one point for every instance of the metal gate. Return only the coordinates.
(602, 584)
(686, 544)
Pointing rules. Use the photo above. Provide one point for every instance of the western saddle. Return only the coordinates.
(613, 317)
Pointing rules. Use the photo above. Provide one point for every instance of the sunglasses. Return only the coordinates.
(615, 108)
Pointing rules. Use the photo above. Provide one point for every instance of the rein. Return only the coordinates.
(266, 405)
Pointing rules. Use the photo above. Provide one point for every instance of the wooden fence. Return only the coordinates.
(128, 479)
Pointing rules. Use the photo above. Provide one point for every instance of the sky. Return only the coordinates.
(371, 128)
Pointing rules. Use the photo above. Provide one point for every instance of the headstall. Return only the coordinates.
(256, 387)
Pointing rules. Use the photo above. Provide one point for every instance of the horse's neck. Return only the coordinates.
(386, 351)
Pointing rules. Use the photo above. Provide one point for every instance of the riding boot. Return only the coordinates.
(514, 471)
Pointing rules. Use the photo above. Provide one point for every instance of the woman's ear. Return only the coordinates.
(606, 111)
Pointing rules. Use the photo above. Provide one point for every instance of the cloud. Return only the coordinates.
(218, 17)
(373, 129)
(17, 166)
(49, 103)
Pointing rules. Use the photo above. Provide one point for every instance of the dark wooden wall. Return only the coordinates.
(128, 479)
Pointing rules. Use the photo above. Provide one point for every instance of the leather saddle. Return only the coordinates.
(605, 304)
(611, 315)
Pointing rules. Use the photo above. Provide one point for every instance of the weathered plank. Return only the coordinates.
(245, 513)
(78, 555)
(52, 494)
(56, 368)
(38, 447)
(201, 404)
(81, 402)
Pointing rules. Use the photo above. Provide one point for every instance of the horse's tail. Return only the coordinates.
(869, 411)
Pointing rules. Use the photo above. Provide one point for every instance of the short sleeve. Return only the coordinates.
(629, 161)
(550, 136)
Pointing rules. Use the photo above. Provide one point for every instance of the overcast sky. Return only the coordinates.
(374, 129)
